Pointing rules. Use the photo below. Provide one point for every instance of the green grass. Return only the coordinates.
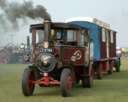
(113, 88)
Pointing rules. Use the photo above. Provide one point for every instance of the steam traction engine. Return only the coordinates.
(61, 55)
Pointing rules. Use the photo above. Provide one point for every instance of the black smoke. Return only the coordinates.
(3, 3)
(14, 11)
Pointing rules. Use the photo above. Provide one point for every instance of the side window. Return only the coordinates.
(39, 36)
(71, 35)
(82, 34)
(111, 37)
(103, 35)
(84, 38)
(91, 50)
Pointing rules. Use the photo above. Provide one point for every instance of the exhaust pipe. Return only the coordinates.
(28, 42)
(47, 29)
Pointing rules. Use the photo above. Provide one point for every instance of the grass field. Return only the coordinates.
(113, 88)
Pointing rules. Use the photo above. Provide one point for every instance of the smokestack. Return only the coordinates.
(28, 42)
(47, 28)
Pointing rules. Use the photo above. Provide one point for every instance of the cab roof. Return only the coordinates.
(91, 20)
(56, 25)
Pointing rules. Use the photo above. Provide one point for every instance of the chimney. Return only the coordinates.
(28, 42)
(47, 28)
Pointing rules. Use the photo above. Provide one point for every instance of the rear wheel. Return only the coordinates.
(117, 67)
(110, 71)
(99, 71)
(77, 81)
(87, 82)
(27, 85)
(66, 82)
(41, 85)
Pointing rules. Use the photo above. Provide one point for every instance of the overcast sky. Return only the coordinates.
(114, 12)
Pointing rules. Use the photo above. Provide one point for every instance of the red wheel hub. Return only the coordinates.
(30, 83)
(69, 83)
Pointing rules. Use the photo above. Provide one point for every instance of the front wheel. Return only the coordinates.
(27, 85)
(66, 82)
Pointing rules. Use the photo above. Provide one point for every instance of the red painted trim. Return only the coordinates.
(112, 58)
(47, 81)
(107, 59)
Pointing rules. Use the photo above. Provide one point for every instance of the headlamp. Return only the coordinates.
(46, 62)
(45, 58)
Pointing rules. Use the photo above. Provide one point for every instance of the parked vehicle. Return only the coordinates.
(104, 42)
(61, 55)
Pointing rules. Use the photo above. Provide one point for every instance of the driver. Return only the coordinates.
(56, 37)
